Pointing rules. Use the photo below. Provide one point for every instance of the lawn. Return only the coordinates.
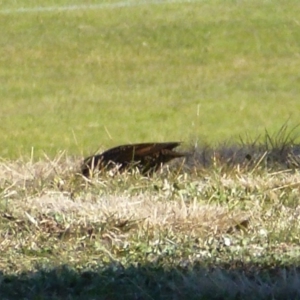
(80, 80)
(81, 76)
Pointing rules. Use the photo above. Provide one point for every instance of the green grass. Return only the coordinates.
(83, 79)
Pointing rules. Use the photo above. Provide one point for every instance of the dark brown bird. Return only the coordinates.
(147, 157)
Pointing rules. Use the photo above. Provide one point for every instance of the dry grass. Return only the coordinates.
(212, 232)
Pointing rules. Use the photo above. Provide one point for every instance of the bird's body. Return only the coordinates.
(147, 157)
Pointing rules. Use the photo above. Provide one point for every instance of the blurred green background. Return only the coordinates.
(89, 78)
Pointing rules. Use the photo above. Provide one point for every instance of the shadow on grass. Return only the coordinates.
(154, 282)
(274, 152)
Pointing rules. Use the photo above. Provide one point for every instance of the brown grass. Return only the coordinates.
(219, 218)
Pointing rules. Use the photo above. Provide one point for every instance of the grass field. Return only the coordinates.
(85, 79)
(78, 76)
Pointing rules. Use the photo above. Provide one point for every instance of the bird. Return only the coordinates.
(146, 157)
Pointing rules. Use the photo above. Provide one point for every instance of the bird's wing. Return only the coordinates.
(129, 152)
(152, 148)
